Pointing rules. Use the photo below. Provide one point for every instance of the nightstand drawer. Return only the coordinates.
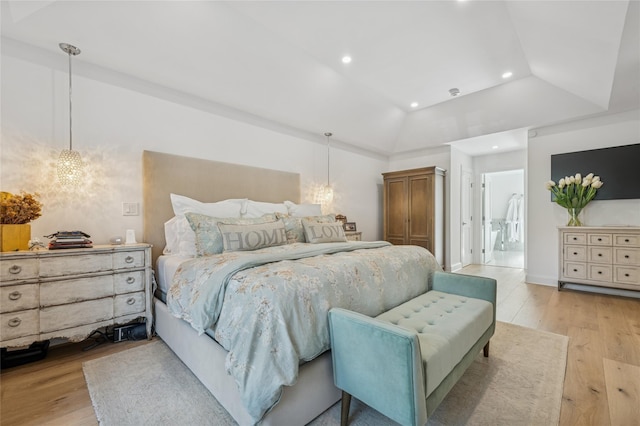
(129, 259)
(67, 316)
(575, 270)
(73, 265)
(600, 255)
(18, 297)
(600, 239)
(126, 304)
(575, 253)
(626, 256)
(18, 269)
(129, 282)
(19, 324)
(627, 274)
(600, 273)
(76, 290)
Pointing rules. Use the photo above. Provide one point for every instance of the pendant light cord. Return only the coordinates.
(70, 109)
(328, 135)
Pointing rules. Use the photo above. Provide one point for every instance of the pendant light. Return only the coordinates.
(325, 193)
(70, 163)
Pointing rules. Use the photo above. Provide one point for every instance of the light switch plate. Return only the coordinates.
(130, 209)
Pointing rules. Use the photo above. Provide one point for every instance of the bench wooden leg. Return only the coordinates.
(344, 414)
(486, 350)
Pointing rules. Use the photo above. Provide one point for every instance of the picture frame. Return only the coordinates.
(350, 226)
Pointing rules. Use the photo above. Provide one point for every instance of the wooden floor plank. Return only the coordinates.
(623, 392)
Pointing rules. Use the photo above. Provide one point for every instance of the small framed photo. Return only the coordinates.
(350, 226)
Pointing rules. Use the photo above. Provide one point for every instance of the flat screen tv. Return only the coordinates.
(618, 167)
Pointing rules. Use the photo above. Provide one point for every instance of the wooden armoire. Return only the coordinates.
(413, 208)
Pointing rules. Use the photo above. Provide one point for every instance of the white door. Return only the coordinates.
(466, 207)
(487, 247)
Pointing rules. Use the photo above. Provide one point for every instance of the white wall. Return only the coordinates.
(544, 216)
(116, 118)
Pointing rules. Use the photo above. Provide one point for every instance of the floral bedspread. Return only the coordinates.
(269, 307)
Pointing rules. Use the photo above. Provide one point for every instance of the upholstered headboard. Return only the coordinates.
(206, 181)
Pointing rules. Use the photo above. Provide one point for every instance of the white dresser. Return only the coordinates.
(602, 256)
(70, 293)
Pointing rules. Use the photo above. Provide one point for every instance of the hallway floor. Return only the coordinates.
(510, 259)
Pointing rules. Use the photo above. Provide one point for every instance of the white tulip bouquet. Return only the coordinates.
(574, 193)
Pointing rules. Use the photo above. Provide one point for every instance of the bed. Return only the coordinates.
(310, 390)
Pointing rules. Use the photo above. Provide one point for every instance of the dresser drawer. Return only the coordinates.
(19, 324)
(128, 259)
(129, 282)
(626, 256)
(66, 316)
(575, 253)
(626, 274)
(57, 266)
(76, 290)
(18, 297)
(575, 270)
(18, 269)
(600, 273)
(600, 239)
(600, 254)
(627, 240)
(125, 304)
(575, 238)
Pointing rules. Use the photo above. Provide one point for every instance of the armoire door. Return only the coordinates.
(395, 219)
(421, 211)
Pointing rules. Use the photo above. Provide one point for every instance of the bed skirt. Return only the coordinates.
(313, 393)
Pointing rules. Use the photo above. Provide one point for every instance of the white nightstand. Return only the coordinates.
(69, 293)
(353, 235)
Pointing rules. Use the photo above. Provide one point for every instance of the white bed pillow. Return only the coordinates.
(225, 208)
(301, 210)
(255, 209)
(180, 238)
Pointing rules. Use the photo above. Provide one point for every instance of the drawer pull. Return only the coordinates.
(599, 254)
(131, 301)
(128, 259)
(14, 322)
(15, 295)
(131, 280)
(575, 270)
(600, 272)
(575, 253)
(15, 269)
(626, 275)
(626, 240)
(626, 256)
(575, 239)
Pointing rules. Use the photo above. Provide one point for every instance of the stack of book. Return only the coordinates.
(70, 239)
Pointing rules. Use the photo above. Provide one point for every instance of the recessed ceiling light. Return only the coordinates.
(346, 59)
(494, 147)
(507, 74)
(414, 104)
(454, 92)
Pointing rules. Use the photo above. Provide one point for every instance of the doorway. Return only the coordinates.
(503, 218)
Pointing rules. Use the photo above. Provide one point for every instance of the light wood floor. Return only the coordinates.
(601, 387)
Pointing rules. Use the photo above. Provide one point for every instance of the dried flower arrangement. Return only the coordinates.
(19, 209)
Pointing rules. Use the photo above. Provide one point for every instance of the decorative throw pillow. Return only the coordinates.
(295, 230)
(208, 237)
(252, 237)
(316, 232)
(302, 210)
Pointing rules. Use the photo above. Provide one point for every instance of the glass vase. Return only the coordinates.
(575, 217)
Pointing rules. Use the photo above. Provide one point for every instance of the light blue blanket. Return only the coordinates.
(269, 307)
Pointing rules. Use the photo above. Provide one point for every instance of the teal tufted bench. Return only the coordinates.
(405, 361)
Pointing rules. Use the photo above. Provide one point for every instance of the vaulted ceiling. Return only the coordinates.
(282, 60)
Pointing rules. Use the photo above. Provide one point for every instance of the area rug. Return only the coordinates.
(519, 384)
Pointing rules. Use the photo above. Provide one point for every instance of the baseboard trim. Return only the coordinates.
(456, 267)
(538, 279)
